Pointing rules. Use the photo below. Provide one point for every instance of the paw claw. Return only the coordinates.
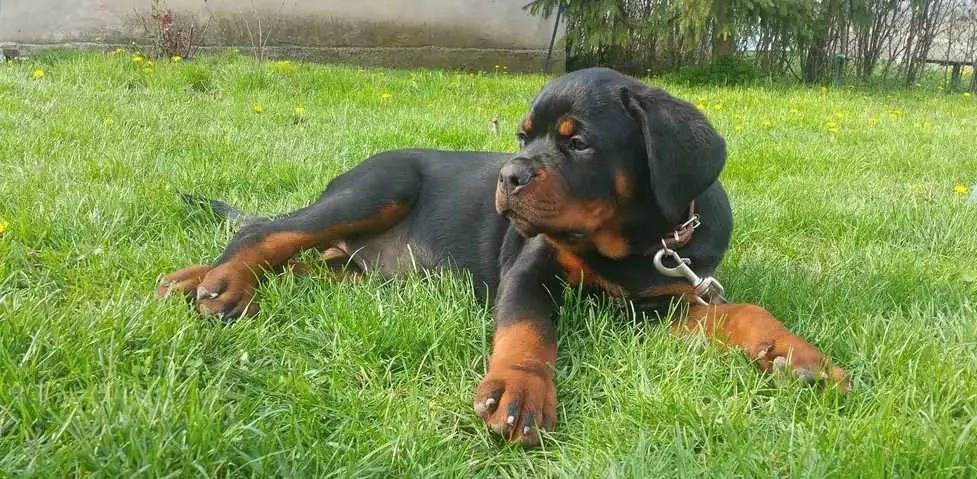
(805, 375)
(202, 293)
(485, 406)
(762, 351)
(779, 363)
(511, 402)
(183, 282)
(227, 292)
(806, 365)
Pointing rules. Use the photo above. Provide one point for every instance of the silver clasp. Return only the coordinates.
(682, 270)
(708, 290)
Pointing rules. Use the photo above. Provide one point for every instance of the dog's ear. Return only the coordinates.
(685, 154)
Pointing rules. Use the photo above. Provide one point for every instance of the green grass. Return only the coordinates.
(855, 238)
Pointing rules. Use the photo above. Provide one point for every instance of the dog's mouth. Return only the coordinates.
(571, 236)
(541, 215)
(525, 227)
(529, 227)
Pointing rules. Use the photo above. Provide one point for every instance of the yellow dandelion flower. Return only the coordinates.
(766, 124)
(717, 107)
(299, 110)
(385, 95)
(119, 51)
(872, 120)
(4, 227)
(258, 108)
(147, 71)
(136, 59)
(176, 59)
(38, 73)
(738, 127)
(831, 125)
(966, 93)
(839, 115)
(959, 188)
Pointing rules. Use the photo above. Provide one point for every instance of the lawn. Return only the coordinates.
(848, 227)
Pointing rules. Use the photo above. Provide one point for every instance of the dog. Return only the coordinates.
(609, 173)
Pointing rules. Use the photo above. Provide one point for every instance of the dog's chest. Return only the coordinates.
(634, 277)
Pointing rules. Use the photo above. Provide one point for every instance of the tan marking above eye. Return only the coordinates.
(567, 126)
(527, 124)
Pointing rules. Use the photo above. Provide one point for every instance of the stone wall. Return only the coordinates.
(475, 34)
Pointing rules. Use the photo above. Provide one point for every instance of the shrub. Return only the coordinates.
(171, 38)
(727, 70)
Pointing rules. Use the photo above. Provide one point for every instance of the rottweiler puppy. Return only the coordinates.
(608, 170)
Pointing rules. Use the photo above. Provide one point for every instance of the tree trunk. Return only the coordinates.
(973, 78)
(723, 40)
(815, 65)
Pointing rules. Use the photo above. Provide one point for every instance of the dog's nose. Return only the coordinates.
(514, 175)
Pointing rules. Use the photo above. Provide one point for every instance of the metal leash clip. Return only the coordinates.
(708, 290)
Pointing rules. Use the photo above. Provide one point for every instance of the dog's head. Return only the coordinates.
(600, 154)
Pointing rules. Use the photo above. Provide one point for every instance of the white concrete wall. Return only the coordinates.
(315, 27)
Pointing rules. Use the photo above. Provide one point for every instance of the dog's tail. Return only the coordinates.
(220, 209)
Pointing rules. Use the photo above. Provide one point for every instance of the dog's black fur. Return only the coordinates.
(607, 166)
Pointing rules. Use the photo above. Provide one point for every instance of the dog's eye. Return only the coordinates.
(577, 143)
(575, 236)
(523, 138)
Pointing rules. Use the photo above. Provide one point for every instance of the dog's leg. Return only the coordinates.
(366, 201)
(334, 260)
(764, 340)
(517, 397)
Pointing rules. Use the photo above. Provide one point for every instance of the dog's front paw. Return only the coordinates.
(227, 291)
(182, 282)
(791, 356)
(517, 401)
